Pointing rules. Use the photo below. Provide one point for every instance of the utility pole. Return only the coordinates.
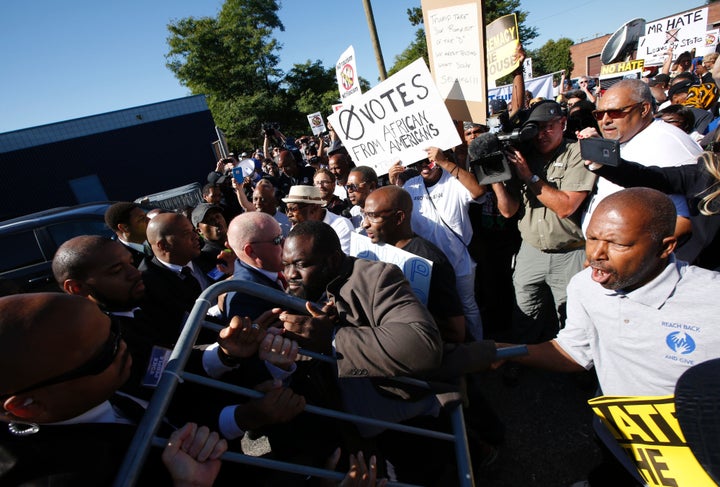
(374, 39)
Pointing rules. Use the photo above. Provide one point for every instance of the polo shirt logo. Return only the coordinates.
(680, 342)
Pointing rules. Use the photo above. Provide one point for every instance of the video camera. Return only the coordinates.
(486, 153)
(269, 128)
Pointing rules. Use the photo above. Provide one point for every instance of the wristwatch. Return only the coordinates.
(534, 179)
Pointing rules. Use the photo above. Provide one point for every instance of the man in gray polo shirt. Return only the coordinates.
(636, 313)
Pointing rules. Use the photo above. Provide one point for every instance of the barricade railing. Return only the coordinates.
(145, 436)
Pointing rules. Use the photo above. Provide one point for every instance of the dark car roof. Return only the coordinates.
(53, 215)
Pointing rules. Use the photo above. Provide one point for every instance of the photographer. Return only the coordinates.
(548, 189)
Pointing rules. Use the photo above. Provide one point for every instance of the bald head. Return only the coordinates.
(173, 238)
(630, 238)
(63, 333)
(648, 208)
(251, 237)
(388, 210)
(75, 258)
(162, 226)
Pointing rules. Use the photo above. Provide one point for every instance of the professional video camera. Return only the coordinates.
(269, 128)
(486, 153)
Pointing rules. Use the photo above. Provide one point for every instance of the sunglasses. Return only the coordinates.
(376, 216)
(354, 187)
(615, 112)
(96, 365)
(276, 241)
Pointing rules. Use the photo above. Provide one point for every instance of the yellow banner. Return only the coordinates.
(622, 67)
(647, 429)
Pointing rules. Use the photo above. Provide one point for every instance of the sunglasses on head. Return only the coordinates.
(96, 365)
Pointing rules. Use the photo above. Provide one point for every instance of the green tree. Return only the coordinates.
(232, 59)
(493, 10)
(310, 88)
(552, 56)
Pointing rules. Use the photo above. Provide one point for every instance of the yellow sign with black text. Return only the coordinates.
(648, 431)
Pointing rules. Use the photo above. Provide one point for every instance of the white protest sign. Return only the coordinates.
(396, 120)
(346, 74)
(316, 123)
(417, 270)
(455, 38)
(540, 86)
(527, 68)
(682, 32)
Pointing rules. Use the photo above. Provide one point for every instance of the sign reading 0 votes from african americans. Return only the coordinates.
(396, 121)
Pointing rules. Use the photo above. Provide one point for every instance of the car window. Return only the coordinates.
(62, 232)
(19, 250)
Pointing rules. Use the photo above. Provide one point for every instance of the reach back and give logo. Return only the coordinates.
(680, 341)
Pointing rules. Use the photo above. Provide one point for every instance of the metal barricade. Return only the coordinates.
(174, 373)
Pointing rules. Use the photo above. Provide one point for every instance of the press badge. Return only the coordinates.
(159, 358)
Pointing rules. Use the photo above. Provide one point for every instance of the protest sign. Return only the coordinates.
(396, 120)
(316, 123)
(527, 68)
(346, 74)
(417, 270)
(681, 32)
(455, 40)
(540, 86)
(648, 431)
(502, 41)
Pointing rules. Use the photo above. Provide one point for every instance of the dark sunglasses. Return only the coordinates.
(615, 112)
(276, 241)
(96, 365)
(354, 187)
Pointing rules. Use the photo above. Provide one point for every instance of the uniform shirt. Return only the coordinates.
(540, 226)
(640, 342)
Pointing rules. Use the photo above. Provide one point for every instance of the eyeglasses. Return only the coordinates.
(376, 216)
(96, 365)
(276, 241)
(323, 183)
(354, 187)
(296, 208)
(615, 112)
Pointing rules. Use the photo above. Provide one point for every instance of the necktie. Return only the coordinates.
(281, 279)
(187, 275)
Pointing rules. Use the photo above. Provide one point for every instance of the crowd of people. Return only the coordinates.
(559, 257)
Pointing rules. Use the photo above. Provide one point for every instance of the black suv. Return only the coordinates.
(28, 244)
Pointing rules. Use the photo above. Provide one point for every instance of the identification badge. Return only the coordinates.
(158, 360)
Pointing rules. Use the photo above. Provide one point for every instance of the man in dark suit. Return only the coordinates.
(256, 238)
(83, 360)
(172, 280)
(129, 222)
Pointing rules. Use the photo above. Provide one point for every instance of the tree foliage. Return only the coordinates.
(552, 56)
(232, 59)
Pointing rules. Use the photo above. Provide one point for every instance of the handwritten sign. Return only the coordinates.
(502, 42)
(455, 39)
(396, 120)
(346, 74)
(682, 32)
(316, 123)
(417, 270)
(622, 67)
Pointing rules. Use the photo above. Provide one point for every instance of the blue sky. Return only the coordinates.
(64, 60)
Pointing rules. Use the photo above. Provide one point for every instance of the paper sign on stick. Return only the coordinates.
(456, 40)
(396, 120)
(316, 123)
(347, 76)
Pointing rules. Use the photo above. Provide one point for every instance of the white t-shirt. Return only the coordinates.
(342, 227)
(450, 203)
(660, 144)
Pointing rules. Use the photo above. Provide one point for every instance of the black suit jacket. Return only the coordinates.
(168, 297)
